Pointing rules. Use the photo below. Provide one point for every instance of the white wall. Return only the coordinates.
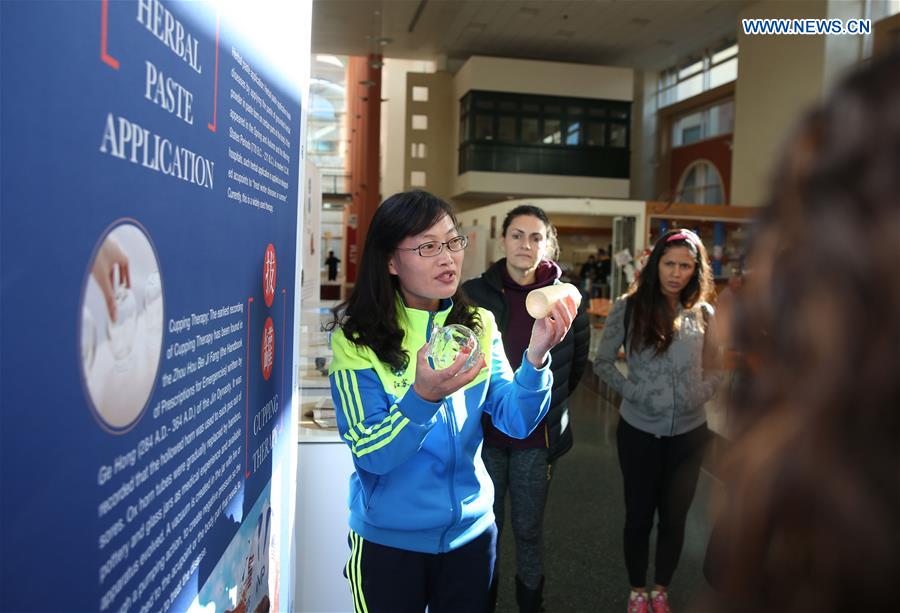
(779, 77)
(544, 78)
(393, 121)
(544, 185)
(541, 78)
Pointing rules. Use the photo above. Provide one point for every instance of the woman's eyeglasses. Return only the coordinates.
(433, 248)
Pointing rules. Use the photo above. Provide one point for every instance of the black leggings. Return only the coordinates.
(660, 475)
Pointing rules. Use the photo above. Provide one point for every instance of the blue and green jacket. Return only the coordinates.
(420, 484)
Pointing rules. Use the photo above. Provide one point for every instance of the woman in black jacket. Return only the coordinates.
(524, 467)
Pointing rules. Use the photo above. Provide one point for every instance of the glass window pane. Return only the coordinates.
(723, 73)
(484, 127)
(417, 178)
(420, 122)
(484, 103)
(724, 54)
(507, 105)
(619, 113)
(575, 110)
(597, 112)
(464, 129)
(506, 129)
(552, 109)
(691, 135)
(552, 133)
(531, 134)
(419, 93)
(530, 107)
(596, 134)
(573, 133)
(691, 68)
(618, 135)
(690, 87)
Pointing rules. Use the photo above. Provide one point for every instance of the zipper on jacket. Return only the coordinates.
(428, 329)
(451, 433)
(674, 402)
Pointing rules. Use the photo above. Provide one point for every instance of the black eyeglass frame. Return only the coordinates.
(464, 242)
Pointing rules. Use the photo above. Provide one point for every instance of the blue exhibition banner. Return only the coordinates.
(151, 156)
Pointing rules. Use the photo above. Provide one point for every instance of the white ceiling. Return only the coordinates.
(651, 34)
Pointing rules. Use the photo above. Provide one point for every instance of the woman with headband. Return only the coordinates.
(662, 433)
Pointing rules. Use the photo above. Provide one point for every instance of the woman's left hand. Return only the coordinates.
(549, 331)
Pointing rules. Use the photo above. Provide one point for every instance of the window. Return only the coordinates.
(700, 184)
(552, 134)
(506, 128)
(713, 67)
(419, 93)
(484, 127)
(417, 178)
(706, 123)
(618, 135)
(420, 122)
(417, 151)
(596, 134)
(573, 133)
(529, 133)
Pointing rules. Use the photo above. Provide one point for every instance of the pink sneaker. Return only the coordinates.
(659, 602)
(637, 602)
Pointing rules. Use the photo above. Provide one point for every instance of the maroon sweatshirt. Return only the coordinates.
(516, 336)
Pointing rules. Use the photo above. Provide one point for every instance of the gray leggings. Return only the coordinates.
(526, 474)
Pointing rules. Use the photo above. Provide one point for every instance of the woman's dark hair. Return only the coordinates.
(813, 520)
(535, 211)
(369, 317)
(652, 319)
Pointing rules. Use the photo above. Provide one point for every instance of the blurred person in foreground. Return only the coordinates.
(812, 520)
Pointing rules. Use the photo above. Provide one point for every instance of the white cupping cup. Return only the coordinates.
(540, 301)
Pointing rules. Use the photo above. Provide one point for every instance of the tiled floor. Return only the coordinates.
(584, 566)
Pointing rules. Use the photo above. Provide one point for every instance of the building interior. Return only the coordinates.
(620, 119)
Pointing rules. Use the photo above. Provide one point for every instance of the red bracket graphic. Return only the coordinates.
(104, 29)
(247, 399)
(212, 126)
(283, 335)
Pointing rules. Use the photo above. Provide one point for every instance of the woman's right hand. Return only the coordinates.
(435, 385)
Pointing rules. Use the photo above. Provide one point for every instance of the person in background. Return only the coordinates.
(332, 262)
(422, 530)
(524, 467)
(662, 433)
(604, 268)
(812, 517)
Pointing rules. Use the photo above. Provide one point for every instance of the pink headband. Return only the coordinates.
(684, 235)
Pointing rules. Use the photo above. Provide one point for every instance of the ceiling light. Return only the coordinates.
(385, 41)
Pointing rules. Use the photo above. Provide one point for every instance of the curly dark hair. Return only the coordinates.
(652, 319)
(369, 316)
(535, 211)
(813, 517)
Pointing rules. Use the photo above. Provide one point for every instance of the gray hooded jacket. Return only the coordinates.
(663, 394)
